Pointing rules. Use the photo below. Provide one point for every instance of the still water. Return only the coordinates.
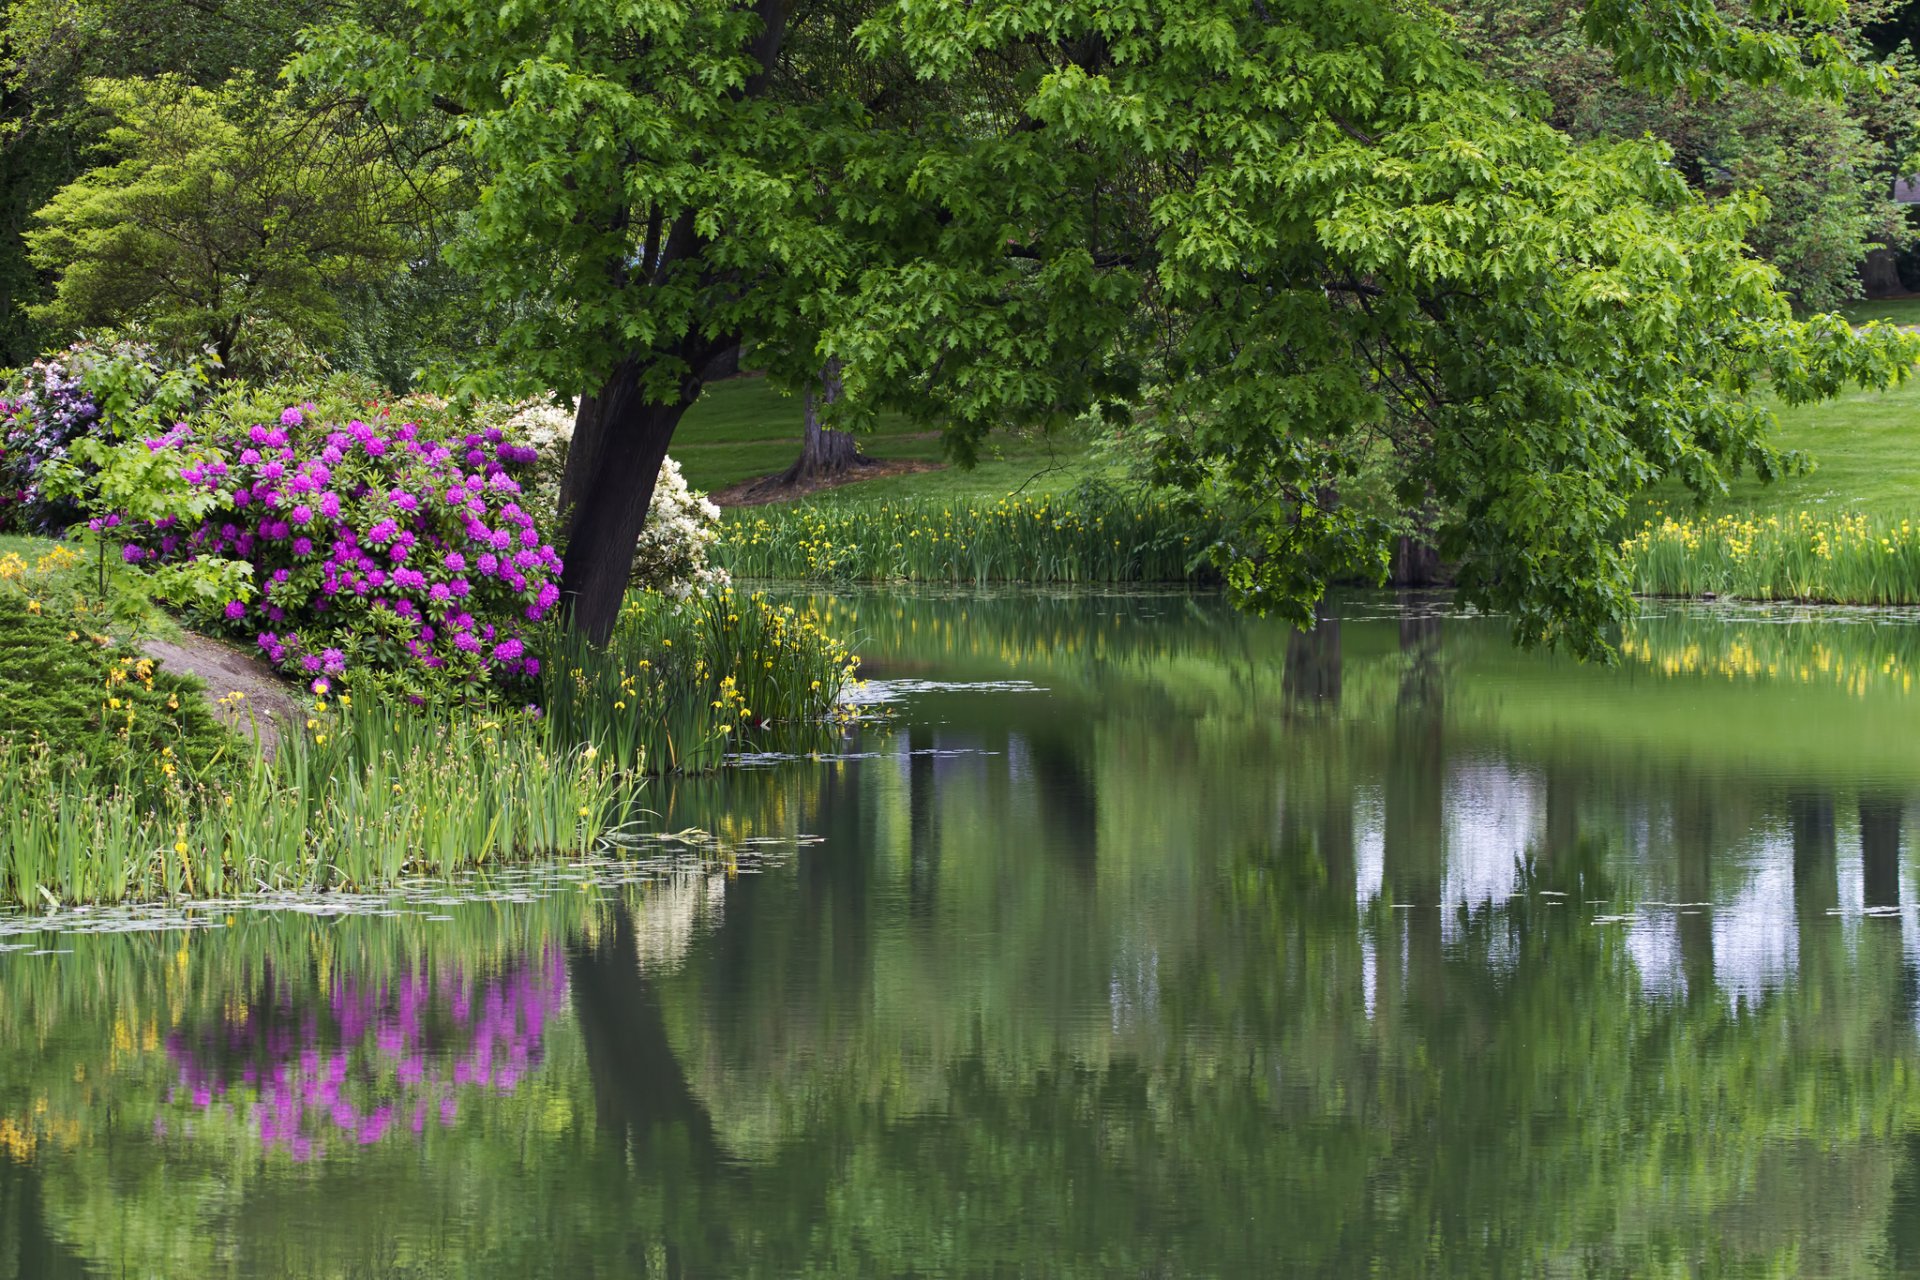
(1139, 939)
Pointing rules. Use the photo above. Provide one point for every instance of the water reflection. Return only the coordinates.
(1222, 951)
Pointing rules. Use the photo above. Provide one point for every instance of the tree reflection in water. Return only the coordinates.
(1381, 948)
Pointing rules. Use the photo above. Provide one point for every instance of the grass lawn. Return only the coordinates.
(1866, 451)
(743, 428)
(1895, 310)
(1865, 445)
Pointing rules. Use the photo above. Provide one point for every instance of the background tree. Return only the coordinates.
(230, 215)
(1299, 237)
(826, 452)
(51, 50)
(1826, 165)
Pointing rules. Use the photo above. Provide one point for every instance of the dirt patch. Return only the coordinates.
(768, 489)
(268, 703)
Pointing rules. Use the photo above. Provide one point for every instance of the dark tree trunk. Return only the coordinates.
(619, 441)
(825, 454)
(1880, 274)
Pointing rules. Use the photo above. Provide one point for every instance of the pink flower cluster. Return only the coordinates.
(372, 546)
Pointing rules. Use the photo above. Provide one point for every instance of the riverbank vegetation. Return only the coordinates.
(1845, 559)
(1097, 534)
(385, 556)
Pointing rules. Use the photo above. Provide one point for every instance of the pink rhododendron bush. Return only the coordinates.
(377, 545)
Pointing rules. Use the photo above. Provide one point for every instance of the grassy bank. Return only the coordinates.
(679, 686)
(743, 429)
(117, 782)
(366, 797)
(1840, 560)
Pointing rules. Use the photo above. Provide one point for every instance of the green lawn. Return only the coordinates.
(743, 428)
(1866, 451)
(1896, 310)
(1866, 448)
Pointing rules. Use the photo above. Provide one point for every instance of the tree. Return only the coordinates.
(1299, 239)
(1826, 166)
(826, 453)
(51, 50)
(230, 213)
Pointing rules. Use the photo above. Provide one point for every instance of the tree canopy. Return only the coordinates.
(228, 219)
(1295, 244)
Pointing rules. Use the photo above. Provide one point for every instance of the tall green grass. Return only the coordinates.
(1094, 535)
(1846, 559)
(363, 797)
(680, 684)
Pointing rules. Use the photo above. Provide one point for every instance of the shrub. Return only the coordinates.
(96, 705)
(45, 410)
(377, 550)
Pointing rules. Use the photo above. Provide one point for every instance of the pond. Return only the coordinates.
(1137, 937)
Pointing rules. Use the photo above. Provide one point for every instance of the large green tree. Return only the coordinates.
(1301, 241)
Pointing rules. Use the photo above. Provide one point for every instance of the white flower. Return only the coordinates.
(682, 525)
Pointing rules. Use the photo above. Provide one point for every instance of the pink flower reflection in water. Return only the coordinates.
(387, 1050)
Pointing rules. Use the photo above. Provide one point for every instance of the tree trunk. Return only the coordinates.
(619, 442)
(825, 454)
(1880, 274)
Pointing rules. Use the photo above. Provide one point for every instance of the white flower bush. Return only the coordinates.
(682, 525)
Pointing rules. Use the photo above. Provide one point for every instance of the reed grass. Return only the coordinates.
(680, 684)
(360, 799)
(1845, 559)
(1097, 534)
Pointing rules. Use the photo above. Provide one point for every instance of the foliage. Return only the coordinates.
(51, 50)
(225, 218)
(682, 526)
(1845, 559)
(93, 704)
(679, 685)
(1826, 167)
(1096, 534)
(1296, 235)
